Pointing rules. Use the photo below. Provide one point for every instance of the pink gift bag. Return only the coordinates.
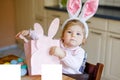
(37, 50)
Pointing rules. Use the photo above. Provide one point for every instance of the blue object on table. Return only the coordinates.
(13, 62)
(23, 72)
(20, 60)
(24, 66)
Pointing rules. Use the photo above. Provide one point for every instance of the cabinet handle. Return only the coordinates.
(115, 37)
(88, 22)
(39, 19)
(56, 16)
(96, 32)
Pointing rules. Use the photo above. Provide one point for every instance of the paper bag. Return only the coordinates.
(36, 56)
(37, 50)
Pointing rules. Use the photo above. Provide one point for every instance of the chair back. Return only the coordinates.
(94, 71)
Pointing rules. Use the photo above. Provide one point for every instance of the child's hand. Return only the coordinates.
(56, 51)
(23, 33)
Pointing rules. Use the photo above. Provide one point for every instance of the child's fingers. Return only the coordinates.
(25, 32)
(17, 36)
(52, 50)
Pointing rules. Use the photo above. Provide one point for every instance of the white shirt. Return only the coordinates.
(73, 60)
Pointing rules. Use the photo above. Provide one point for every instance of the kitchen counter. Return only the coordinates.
(103, 11)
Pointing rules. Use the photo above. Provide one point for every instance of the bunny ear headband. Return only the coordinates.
(75, 13)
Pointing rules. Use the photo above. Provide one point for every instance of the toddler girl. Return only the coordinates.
(72, 55)
(75, 31)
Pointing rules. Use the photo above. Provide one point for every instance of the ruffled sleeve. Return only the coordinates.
(74, 61)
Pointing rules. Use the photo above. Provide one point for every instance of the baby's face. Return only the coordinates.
(73, 36)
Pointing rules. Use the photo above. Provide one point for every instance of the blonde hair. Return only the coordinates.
(71, 23)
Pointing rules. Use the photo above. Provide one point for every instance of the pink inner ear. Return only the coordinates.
(73, 6)
(90, 7)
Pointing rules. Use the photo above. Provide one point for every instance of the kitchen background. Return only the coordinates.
(103, 44)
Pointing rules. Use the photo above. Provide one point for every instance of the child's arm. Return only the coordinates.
(74, 61)
(22, 35)
(27, 34)
(56, 51)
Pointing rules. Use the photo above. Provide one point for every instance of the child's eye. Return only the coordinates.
(69, 32)
(78, 34)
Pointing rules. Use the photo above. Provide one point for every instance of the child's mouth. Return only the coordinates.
(73, 40)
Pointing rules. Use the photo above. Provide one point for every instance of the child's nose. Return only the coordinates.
(73, 34)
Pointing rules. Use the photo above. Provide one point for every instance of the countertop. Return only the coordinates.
(108, 12)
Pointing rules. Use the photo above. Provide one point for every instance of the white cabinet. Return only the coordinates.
(96, 42)
(103, 45)
(112, 68)
(95, 46)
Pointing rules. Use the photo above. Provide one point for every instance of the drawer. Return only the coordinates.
(114, 26)
(40, 20)
(98, 23)
(61, 15)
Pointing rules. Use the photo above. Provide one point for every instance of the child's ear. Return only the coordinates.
(62, 39)
(83, 41)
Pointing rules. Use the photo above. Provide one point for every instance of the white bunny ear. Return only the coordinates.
(53, 27)
(89, 9)
(73, 8)
(38, 28)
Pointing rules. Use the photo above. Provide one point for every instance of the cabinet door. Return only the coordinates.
(39, 8)
(95, 46)
(24, 14)
(57, 14)
(112, 68)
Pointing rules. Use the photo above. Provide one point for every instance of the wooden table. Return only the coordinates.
(39, 78)
(13, 57)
